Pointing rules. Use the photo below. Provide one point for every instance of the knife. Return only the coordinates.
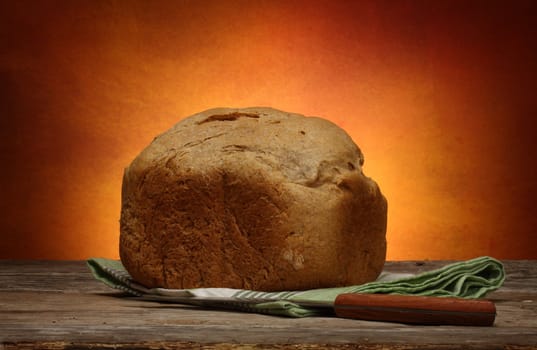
(422, 310)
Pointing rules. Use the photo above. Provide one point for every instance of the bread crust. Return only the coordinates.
(252, 198)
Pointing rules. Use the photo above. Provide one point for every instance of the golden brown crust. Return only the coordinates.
(251, 198)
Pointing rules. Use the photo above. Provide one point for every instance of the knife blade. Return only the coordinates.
(422, 310)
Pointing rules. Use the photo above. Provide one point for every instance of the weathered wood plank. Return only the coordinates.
(58, 305)
(53, 276)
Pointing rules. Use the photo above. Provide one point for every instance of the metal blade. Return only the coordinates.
(229, 301)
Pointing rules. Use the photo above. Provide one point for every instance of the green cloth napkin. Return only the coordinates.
(466, 279)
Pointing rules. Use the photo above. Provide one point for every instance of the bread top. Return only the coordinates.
(309, 151)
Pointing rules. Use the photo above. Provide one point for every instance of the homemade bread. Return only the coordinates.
(252, 198)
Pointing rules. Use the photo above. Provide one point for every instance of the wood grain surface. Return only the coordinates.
(58, 305)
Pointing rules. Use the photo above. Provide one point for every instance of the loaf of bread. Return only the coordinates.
(252, 198)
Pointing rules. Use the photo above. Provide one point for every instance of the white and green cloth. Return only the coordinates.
(466, 279)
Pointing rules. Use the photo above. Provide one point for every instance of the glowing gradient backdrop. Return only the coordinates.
(440, 96)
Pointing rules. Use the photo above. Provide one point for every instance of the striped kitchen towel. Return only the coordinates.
(466, 279)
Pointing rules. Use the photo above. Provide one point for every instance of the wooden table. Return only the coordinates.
(58, 305)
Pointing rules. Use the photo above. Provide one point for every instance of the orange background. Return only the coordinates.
(440, 96)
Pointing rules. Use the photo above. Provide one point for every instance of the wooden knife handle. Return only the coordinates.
(416, 309)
